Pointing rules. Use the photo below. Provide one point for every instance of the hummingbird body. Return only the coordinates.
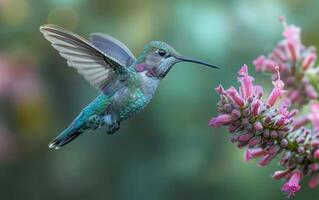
(126, 84)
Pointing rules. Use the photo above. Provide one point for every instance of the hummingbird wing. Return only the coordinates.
(99, 68)
(113, 47)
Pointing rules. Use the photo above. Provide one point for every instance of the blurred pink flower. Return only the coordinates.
(22, 93)
(314, 115)
(294, 61)
(314, 181)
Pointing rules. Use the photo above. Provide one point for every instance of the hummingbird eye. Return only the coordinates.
(161, 52)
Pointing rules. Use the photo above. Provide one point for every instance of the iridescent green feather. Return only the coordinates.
(135, 106)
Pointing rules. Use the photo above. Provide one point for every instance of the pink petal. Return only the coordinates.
(292, 33)
(283, 109)
(245, 137)
(254, 141)
(220, 90)
(264, 64)
(314, 115)
(258, 91)
(254, 153)
(281, 174)
(309, 61)
(311, 92)
(255, 107)
(266, 160)
(258, 126)
(246, 82)
(232, 92)
(293, 50)
(301, 121)
(277, 91)
(221, 119)
(279, 55)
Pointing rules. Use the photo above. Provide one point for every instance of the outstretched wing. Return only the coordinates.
(99, 68)
(113, 47)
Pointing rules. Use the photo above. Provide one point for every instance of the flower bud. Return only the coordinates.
(284, 143)
(235, 114)
(301, 150)
(273, 134)
(258, 126)
(266, 133)
(254, 141)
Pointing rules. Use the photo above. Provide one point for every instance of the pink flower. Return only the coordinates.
(235, 96)
(277, 91)
(246, 82)
(292, 186)
(258, 91)
(264, 64)
(254, 141)
(251, 121)
(245, 137)
(283, 109)
(309, 61)
(300, 121)
(266, 160)
(281, 174)
(285, 114)
(220, 90)
(292, 33)
(293, 60)
(258, 126)
(255, 106)
(259, 63)
(222, 119)
(292, 51)
(254, 153)
(314, 115)
(311, 92)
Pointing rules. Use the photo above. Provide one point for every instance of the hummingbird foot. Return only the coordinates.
(112, 124)
(113, 128)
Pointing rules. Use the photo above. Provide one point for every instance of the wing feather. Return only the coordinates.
(99, 68)
(113, 47)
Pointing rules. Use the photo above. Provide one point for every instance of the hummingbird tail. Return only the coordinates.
(64, 138)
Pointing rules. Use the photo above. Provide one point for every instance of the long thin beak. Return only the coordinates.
(184, 59)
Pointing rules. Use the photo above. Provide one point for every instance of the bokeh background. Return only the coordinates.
(167, 151)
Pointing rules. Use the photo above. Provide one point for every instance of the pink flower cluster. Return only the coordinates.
(294, 61)
(266, 127)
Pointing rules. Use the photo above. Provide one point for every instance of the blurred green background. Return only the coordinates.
(167, 151)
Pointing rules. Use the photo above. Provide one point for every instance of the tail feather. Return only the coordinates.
(64, 138)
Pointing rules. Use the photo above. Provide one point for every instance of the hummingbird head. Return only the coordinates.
(157, 58)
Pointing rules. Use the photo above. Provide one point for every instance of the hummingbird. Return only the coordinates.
(126, 84)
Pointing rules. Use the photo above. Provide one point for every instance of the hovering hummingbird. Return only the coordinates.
(126, 84)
